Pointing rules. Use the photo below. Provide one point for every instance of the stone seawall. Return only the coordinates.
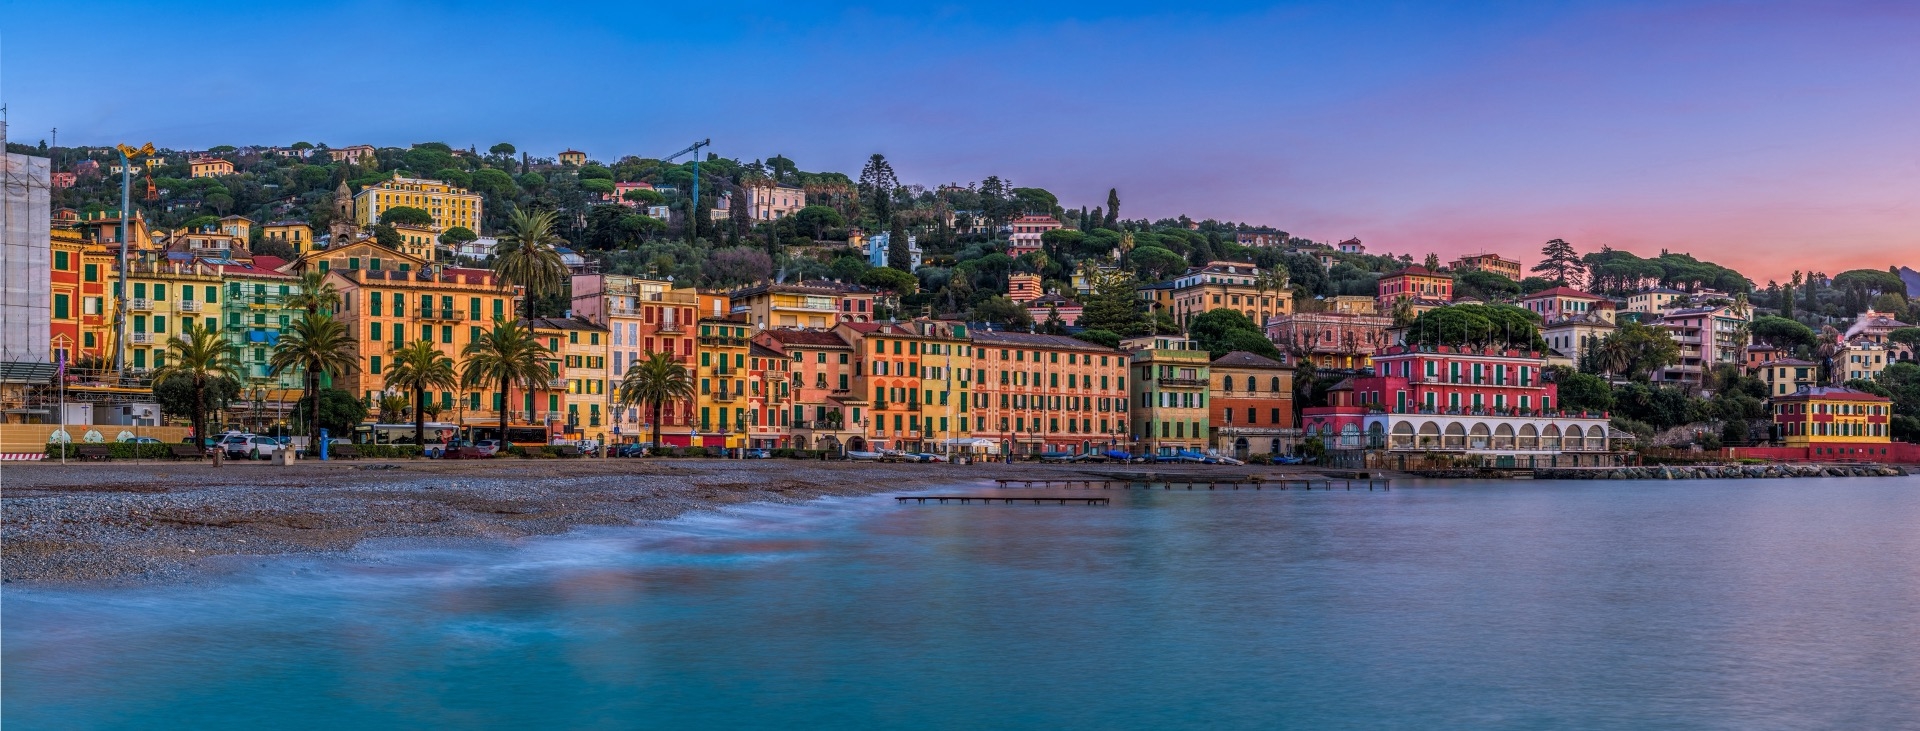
(1722, 472)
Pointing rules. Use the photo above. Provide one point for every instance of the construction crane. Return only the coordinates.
(127, 154)
(693, 224)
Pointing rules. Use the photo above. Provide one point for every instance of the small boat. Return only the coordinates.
(865, 456)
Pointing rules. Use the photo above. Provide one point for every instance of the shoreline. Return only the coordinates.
(134, 523)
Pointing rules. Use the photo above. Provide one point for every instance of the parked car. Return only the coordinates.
(488, 447)
(143, 440)
(636, 449)
(250, 446)
(930, 457)
(758, 454)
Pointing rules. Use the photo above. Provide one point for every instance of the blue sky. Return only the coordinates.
(1753, 133)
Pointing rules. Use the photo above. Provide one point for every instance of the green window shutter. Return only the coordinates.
(60, 302)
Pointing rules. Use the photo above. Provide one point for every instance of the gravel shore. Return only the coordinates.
(161, 522)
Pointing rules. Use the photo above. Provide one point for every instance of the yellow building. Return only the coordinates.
(1826, 415)
(389, 299)
(418, 241)
(946, 373)
(1861, 359)
(721, 378)
(582, 387)
(449, 205)
(1229, 285)
(1489, 263)
(788, 305)
(207, 167)
(297, 235)
(164, 297)
(573, 157)
(1788, 375)
(1655, 300)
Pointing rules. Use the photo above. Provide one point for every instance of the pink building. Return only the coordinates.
(1564, 302)
(1027, 231)
(620, 192)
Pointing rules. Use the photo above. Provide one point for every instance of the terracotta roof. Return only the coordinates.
(1830, 393)
(1417, 271)
(1032, 340)
(1244, 359)
(813, 338)
(565, 323)
(263, 266)
(1564, 292)
(1792, 362)
(761, 351)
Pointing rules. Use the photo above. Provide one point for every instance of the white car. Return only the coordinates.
(489, 447)
(250, 446)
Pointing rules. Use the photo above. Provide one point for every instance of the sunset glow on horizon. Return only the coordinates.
(1767, 137)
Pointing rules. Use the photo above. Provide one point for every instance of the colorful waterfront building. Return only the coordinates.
(389, 298)
(1495, 402)
(887, 366)
(167, 294)
(449, 205)
(579, 393)
(257, 310)
(1169, 394)
(1831, 416)
(64, 273)
(721, 378)
(814, 305)
(823, 405)
(1250, 405)
(769, 396)
(1034, 394)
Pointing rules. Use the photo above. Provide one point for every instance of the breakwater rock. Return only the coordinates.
(1719, 472)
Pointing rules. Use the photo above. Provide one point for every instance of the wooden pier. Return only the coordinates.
(990, 499)
(1253, 483)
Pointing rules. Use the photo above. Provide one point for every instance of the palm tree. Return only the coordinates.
(506, 355)
(203, 357)
(418, 367)
(1613, 355)
(315, 293)
(526, 255)
(656, 382)
(317, 344)
(393, 408)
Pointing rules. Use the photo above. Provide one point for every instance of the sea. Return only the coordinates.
(1738, 604)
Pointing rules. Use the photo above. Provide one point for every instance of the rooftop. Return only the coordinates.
(1244, 359)
(1564, 292)
(1034, 340)
(814, 338)
(1831, 393)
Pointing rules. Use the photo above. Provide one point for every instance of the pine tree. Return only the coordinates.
(1560, 262)
(1114, 306)
(1113, 208)
(1786, 296)
(898, 256)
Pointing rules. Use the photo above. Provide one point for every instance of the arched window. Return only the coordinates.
(1226, 383)
(1275, 386)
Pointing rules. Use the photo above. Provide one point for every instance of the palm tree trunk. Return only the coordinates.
(313, 414)
(656, 427)
(506, 385)
(199, 408)
(419, 419)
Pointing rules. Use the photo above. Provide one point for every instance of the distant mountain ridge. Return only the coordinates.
(1912, 278)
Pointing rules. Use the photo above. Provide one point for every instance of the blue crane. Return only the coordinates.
(692, 226)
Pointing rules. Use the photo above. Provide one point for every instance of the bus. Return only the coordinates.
(437, 433)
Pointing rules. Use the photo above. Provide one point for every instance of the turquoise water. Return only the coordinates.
(1766, 604)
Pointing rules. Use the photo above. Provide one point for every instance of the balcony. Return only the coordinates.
(556, 384)
(430, 313)
(140, 304)
(1182, 383)
(189, 306)
(724, 397)
(720, 342)
(671, 328)
(140, 338)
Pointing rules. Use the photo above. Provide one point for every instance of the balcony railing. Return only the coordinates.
(442, 313)
(140, 338)
(1181, 383)
(140, 304)
(189, 306)
(557, 383)
(716, 341)
(724, 396)
(672, 328)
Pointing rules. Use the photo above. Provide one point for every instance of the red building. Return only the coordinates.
(1419, 284)
(68, 303)
(1250, 402)
(1448, 399)
(1027, 231)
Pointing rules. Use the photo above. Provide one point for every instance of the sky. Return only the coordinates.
(1765, 136)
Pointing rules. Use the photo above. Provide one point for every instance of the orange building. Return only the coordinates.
(1250, 398)
(64, 325)
(207, 167)
(1048, 393)
(822, 404)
